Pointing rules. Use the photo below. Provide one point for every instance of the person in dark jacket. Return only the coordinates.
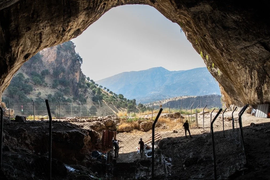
(141, 147)
(116, 147)
(186, 127)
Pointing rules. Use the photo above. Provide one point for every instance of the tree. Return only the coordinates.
(92, 86)
(19, 84)
(37, 80)
(55, 83)
(37, 59)
(58, 71)
(27, 80)
(12, 90)
(132, 106)
(111, 99)
(78, 58)
(66, 90)
(27, 89)
(82, 98)
(95, 98)
(133, 101)
(98, 91)
(64, 82)
(18, 78)
(141, 107)
(45, 72)
(121, 96)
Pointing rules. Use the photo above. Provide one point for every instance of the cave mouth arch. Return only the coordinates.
(151, 36)
(232, 37)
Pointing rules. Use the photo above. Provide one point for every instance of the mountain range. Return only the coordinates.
(159, 83)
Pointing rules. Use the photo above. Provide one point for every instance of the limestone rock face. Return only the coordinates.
(232, 37)
(98, 126)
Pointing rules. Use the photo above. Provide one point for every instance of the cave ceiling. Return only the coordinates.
(232, 36)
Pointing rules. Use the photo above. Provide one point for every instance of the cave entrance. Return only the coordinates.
(126, 38)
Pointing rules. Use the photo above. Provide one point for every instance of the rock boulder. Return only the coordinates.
(146, 125)
(98, 126)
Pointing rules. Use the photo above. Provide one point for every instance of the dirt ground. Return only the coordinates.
(192, 158)
(129, 141)
(177, 156)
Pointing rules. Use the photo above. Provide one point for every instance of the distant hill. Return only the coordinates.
(55, 74)
(158, 83)
(187, 102)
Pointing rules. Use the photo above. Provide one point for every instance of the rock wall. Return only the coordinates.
(233, 36)
(70, 143)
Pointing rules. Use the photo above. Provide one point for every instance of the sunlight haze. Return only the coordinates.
(134, 38)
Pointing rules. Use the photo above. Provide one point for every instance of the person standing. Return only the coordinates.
(141, 147)
(186, 127)
(116, 147)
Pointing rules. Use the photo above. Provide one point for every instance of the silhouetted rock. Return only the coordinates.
(20, 119)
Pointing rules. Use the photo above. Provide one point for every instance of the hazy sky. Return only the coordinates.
(133, 38)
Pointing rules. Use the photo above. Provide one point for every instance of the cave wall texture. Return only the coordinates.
(232, 36)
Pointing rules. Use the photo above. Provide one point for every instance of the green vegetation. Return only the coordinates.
(119, 101)
(37, 81)
(201, 53)
(35, 60)
(207, 57)
(45, 73)
(55, 84)
(18, 88)
(219, 73)
(68, 93)
(57, 71)
(64, 82)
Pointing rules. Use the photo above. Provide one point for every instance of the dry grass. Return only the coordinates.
(128, 124)
(125, 127)
(135, 125)
(171, 124)
(167, 110)
(38, 117)
(122, 114)
(163, 124)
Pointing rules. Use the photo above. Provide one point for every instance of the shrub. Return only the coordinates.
(64, 82)
(55, 84)
(36, 80)
(19, 85)
(45, 72)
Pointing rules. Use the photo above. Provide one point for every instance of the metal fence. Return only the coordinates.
(37, 110)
